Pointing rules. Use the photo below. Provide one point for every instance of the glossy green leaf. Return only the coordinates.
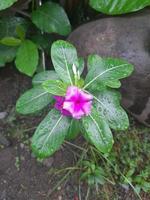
(108, 105)
(115, 7)
(97, 131)
(106, 72)
(74, 129)
(33, 101)
(10, 41)
(43, 41)
(81, 65)
(44, 76)
(9, 26)
(20, 32)
(27, 58)
(55, 87)
(63, 56)
(50, 134)
(51, 18)
(6, 3)
(7, 54)
(80, 83)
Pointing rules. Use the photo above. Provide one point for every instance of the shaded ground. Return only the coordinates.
(22, 177)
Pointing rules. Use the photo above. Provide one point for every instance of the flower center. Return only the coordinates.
(78, 101)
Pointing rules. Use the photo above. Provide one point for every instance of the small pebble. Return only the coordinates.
(60, 198)
(3, 115)
(48, 162)
(59, 188)
(22, 145)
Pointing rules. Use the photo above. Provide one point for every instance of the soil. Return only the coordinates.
(22, 176)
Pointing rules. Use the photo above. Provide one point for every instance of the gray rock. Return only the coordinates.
(3, 115)
(4, 141)
(48, 162)
(126, 37)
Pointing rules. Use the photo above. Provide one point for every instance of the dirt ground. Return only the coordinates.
(22, 176)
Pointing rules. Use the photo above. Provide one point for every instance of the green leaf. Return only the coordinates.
(106, 72)
(97, 131)
(51, 18)
(81, 65)
(6, 3)
(115, 7)
(44, 76)
(10, 41)
(84, 175)
(80, 83)
(74, 129)
(9, 26)
(21, 33)
(64, 55)
(43, 41)
(27, 58)
(137, 189)
(50, 134)
(7, 54)
(55, 87)
(108, 105)
(33, 101)
(146, 186)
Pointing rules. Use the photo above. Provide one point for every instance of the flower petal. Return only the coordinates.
(72, 93)
(78, 114)
(87, 106)
(66, 112)
(72, 109)
(59, 102)
(59, 99)
(69, 106)
(85, 97)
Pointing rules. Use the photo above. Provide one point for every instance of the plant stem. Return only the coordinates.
(58, 184)
(42, 51)
(68, 168)
(25, 14)
(79, 192)
(33, 5)
(87, 194)
(74, 145)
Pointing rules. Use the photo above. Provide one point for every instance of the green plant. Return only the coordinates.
(6, 3)
(90, 106)
(127, 164)
(93, 173)
(131, 156)
(117, 7)
(22, 38)
(25, 38)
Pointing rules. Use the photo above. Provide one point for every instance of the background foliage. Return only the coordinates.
(29, 27)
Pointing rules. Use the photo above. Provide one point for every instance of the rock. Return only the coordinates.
(3, 195)
(22, 145)
(4, 141)
(126, 37)
(48, 162)
(3, 115)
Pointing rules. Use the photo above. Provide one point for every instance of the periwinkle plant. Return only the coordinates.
(90, 105)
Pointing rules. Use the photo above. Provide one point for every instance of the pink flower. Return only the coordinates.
(59, 105)
(77, 102)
